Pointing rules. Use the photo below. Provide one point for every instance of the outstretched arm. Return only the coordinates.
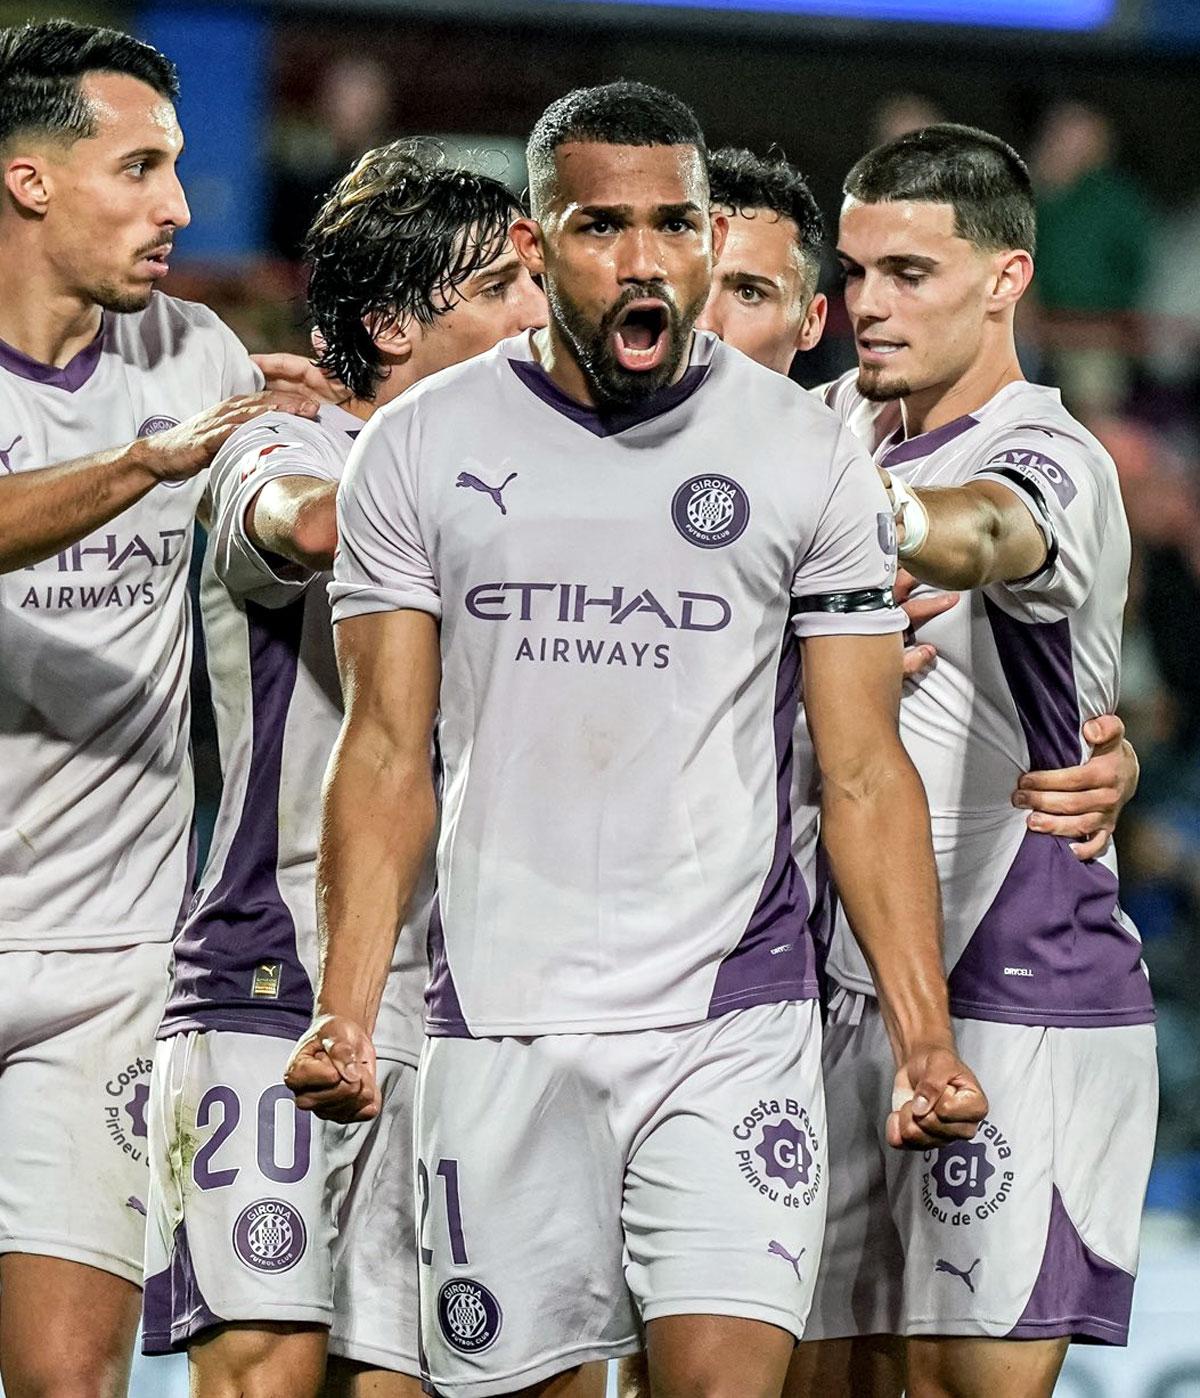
(45, 510)
(966, 536)
(875, 827)
(377, 822)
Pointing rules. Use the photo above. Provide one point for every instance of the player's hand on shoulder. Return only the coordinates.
(292, 373)
(182, 451)
(332, 1071)
(919, 656)
(1084, 803)
(935, 1098)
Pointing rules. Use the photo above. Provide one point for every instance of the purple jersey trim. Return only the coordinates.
(1050, 950)
(613, 420)
(1036, 659)
(1076, 1293)
(774, 959)
(173, 1308)
(444, 1018)
(70, 377)
(914, 448)
(276, 1024)
(243, 923)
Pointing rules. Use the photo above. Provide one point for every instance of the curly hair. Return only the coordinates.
(742, 181)
(392, 243)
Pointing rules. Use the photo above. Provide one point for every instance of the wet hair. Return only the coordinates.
(393, 242)
(980, 176)
(41, 66)
(617, 114)
(745, 182)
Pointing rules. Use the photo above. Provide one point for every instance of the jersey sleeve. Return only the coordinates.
(1069, 490)
(382, 564)
(267, 449)
(843, 585)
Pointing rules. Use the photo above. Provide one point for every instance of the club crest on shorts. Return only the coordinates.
(968, 1181)
(778, 1153)
(469, 1315)
(710, 511)
(269, 1236)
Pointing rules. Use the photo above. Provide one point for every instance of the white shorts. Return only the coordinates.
(76, 1049)
(576, 1186)
(260, 1212)
(1030, 1231)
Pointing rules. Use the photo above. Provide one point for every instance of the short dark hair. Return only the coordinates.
(745, 182)
(393, 241)
(983, 179)
(617, 114)
(41, 66)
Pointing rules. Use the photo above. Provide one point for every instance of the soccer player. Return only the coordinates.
(271, 1236)
(96, 812)
(765, 302)
(565, 547)
(988, 1257)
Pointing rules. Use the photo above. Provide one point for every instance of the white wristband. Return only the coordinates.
(913, 515)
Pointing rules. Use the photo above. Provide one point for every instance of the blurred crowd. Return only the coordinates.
(1114, 322)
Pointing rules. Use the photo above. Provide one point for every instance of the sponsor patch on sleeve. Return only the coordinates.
(1038, 469)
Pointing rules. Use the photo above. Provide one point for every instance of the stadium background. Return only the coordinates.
(277, 99)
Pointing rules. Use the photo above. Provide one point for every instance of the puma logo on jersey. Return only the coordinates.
(778, 1250)
(6, 452)
(466, 481)
(965, 1277)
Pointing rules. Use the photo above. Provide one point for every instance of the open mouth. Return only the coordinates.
(157, 260)
(640, 337)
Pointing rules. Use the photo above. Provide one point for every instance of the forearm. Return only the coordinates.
(379, 817)
(876, 834)
(46, 510)
(978, 534)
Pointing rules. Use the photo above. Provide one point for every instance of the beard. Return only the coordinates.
(123, 302)
(876, 389)
(611, 384)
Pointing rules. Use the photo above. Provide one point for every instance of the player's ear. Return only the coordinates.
(813, 325)
(393, 338)
(526, 238)
(25, 177)
(720, 231)
(1014, 272)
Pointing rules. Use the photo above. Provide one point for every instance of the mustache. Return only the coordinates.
(166, 241)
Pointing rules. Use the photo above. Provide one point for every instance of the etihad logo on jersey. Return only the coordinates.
(577, 604)
(100, 554)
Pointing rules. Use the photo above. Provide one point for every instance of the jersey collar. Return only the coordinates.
(70, 377)
(612, 421)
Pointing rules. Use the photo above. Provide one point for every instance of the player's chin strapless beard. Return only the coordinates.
(613, 385)
(109, 298)
(876, 389)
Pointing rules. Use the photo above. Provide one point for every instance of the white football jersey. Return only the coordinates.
(1033, 936)
(620, 597)
(247, 957)
(96, 806)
